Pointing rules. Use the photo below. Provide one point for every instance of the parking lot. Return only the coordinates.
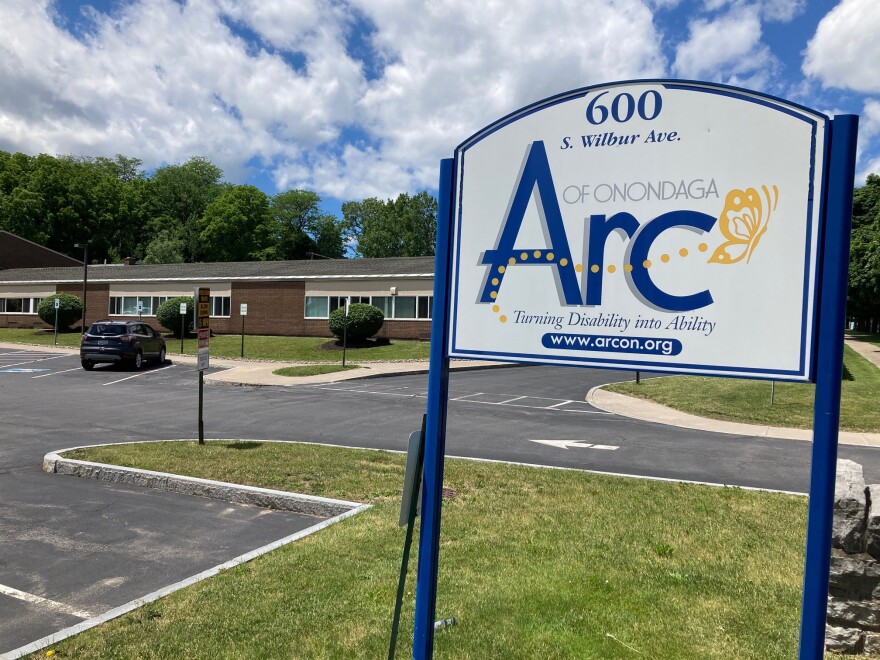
(72, 549)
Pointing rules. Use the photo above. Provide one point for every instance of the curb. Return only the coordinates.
(218, 382)
(309, 505)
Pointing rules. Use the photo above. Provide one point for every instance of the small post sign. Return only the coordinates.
(242, 312)
(657, 225)
(57, 305)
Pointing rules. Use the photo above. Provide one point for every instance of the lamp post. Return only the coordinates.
(85, 249)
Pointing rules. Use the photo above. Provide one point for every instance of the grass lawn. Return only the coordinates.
(256, 347)
(313, 369)
(749, 400)
(534, 563)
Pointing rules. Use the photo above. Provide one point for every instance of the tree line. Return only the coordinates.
(185, 213)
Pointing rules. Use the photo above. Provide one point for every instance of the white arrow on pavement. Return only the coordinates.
(566, 444)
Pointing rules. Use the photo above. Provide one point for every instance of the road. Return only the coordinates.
(85, 547)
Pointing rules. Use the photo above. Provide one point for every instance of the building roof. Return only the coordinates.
(18, 252)
(396, 267)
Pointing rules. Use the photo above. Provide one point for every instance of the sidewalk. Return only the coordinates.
(649, 411)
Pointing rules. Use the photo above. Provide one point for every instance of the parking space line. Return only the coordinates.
(516, 398)
(561, 403)
(54, 357)
(465, 396)
(39, 600)
(143, 373)
(57, 372)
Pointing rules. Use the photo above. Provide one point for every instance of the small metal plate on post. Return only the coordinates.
(411, 480)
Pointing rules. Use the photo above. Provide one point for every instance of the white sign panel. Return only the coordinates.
(655, 225)
(183, 308)
(203, 360)
(243, 309)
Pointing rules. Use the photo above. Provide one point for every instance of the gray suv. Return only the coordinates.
(128, 342)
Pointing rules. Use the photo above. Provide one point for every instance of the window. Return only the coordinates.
(128, 305)
(19, 305)
(392, 307)
(220, 305)
(316, 307)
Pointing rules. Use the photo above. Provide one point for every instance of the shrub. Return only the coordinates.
(70, 310)
(168, 314)
(364, 321)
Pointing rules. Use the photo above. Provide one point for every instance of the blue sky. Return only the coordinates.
(361, 98)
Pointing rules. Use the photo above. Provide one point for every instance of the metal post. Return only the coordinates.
(85, 248)
(345, 331)
(242, 336)
(55, 338)
(407, 543)
(829, 371)
(182, 330)
(435, 434)
(201, 399)
(772, 391)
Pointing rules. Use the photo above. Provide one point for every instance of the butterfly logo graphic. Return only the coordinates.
(743, 222)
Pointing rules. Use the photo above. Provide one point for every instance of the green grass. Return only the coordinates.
(749, 400)
(256, 347)
(534, 563)
(313, 369)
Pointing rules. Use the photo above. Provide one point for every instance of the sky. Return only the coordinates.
(362, 98)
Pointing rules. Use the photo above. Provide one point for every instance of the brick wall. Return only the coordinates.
(97, 299)
(274, 308)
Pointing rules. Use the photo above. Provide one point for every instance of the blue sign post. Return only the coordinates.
(829, 372)
(580, 230)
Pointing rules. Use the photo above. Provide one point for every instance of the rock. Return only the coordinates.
(872, 644)
(853, 576)
(844, 640)
(872, 533)
(864, 614)
(850, 507)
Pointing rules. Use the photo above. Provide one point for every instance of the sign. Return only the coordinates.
(57, 303)
(203, 307)
(667, 226)
(140, 307)
(243, 309)
(202, 299)
(183, 309)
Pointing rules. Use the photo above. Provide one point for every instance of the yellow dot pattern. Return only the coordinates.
(594, 268)
(495, 308)
(495, 281)
(502, 318)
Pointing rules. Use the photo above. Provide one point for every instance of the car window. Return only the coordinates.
(106, 329)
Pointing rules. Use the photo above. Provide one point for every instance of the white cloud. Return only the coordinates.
(845, 49)
(771, 10)
(163, 81)
(727, 49)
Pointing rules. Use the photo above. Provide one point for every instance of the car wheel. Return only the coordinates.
(162, 356)
(138, 360)
(88, 365)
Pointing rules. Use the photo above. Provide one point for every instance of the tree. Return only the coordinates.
(302, 229)
(177, 197)
(168, 315)
(404, 227)
(863, 300)
(166, 248)
(237, 226)
(363, 322)
(69, 310)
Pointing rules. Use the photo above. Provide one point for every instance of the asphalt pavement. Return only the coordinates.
(82, 547)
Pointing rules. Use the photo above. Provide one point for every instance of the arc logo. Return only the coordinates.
(743, 221)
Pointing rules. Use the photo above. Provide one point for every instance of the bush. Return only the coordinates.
(364, 321)
(70, 310)
(168, 314)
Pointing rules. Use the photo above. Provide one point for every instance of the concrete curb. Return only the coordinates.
(308, 505)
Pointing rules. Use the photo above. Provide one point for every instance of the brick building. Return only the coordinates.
(291, 298)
